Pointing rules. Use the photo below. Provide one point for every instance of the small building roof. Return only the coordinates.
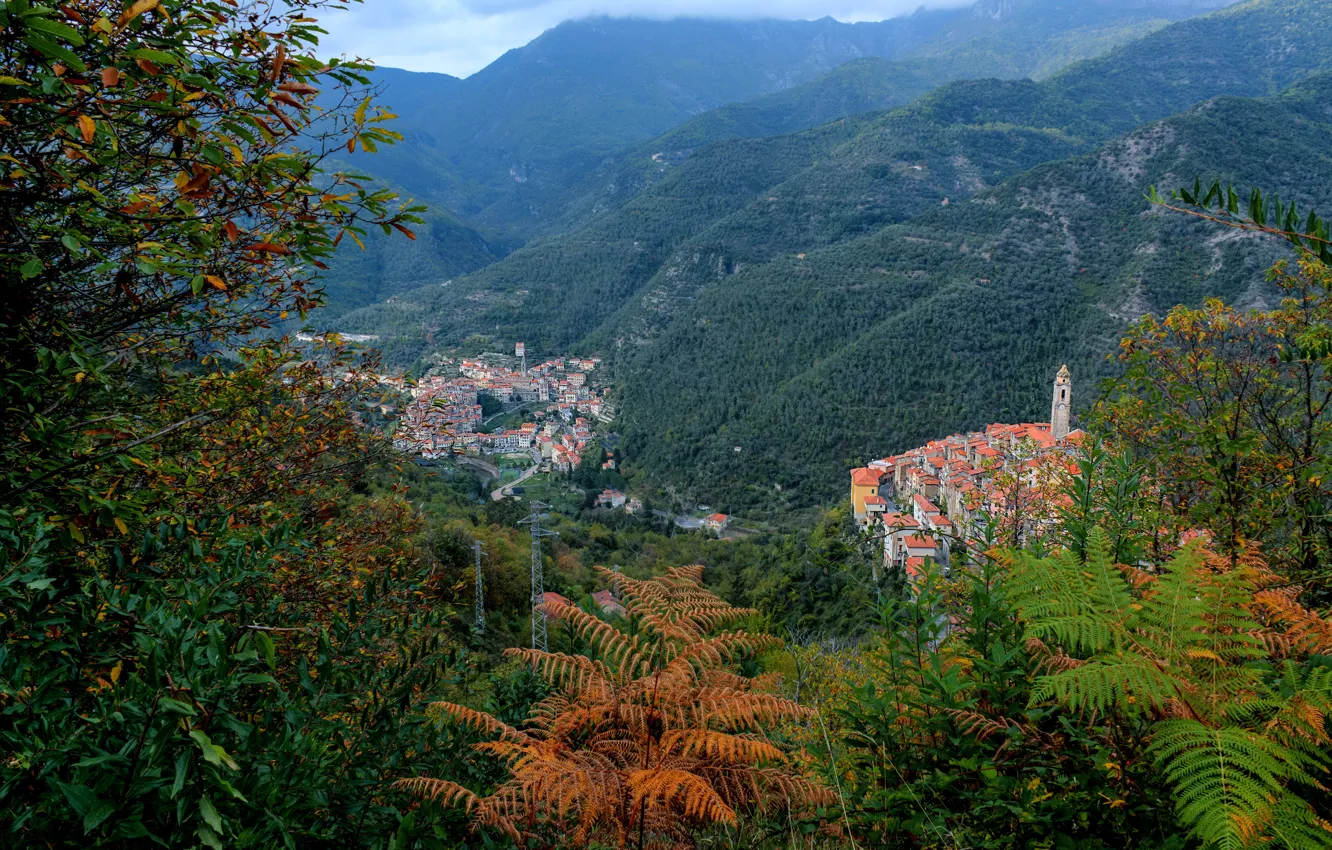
(866, 477)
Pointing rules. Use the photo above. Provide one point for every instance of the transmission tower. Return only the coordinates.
(539, 640)
(480, 596)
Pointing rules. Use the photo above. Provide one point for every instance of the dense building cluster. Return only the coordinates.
(927, 502)
(445, 415)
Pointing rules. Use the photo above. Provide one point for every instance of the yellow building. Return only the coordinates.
(864, 482)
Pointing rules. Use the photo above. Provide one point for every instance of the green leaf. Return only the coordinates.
(182, 770)
(99, 813)
(212, 753)
(176, 706)
(266, 648)
(207, 836)
(31, 268)
(52, 50)
(55, 28)
(82, 798)
(209, 813)
(159, 56)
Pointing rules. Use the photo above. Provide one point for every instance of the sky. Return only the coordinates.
(461, 37)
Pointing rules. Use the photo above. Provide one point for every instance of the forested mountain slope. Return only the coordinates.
(556, 133)
(740, 202)
(962, 315)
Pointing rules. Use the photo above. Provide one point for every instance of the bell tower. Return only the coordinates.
(1063, 397)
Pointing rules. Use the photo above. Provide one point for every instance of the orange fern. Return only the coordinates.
(647, 739)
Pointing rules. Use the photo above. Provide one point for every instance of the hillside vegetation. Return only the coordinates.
(234, 616)
(642, 282)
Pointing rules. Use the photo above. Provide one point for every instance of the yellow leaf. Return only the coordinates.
(120, 524)
(216, 282)
(88, 128)
(359, 116)
(139, 7)
(115, 672)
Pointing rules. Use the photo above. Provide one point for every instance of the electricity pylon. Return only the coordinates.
(480, 595)
(539, 640)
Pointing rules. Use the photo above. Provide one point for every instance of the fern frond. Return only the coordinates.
(720, 747)
(679, 789)
(1082, 605)
(440, 790)
(1228, 781)
(620, 650)
(478, 720)
(744, 710)
(690, 575)
(1050, 660)
(717, 651)
(574, 675)
(1129, 683)
(1306, 629)
(980, 725)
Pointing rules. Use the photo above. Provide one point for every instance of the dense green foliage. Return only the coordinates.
(226, 608)
(209, 638)
(947, 745)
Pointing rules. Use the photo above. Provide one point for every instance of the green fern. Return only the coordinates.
(1082, 605)
(1239, 735)
(1234, 784)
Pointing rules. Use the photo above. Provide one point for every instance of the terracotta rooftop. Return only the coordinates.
(866, 477)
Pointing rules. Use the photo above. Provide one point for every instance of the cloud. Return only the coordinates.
(461, 37)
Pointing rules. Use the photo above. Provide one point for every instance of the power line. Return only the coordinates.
(539, 639)
(480, 595)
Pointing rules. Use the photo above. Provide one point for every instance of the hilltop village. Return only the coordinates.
(445, 413)
(935, 500)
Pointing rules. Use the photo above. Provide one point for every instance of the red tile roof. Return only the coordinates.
(866, 477)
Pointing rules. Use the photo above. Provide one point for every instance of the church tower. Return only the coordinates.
(1063, 396)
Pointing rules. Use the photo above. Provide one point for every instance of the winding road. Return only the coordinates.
(498, 493)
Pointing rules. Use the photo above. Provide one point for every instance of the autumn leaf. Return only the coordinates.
(298, 88)
(216, 282)
(135, 11)
(403, 230)
(279, 59)
(88, 128)
(268, 248)
(110, 76)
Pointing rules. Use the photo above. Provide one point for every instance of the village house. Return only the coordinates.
(607, 603)
(948, 488)
(716, 523)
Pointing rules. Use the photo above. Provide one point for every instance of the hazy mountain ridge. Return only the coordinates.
(848, 179)
(602, 84)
